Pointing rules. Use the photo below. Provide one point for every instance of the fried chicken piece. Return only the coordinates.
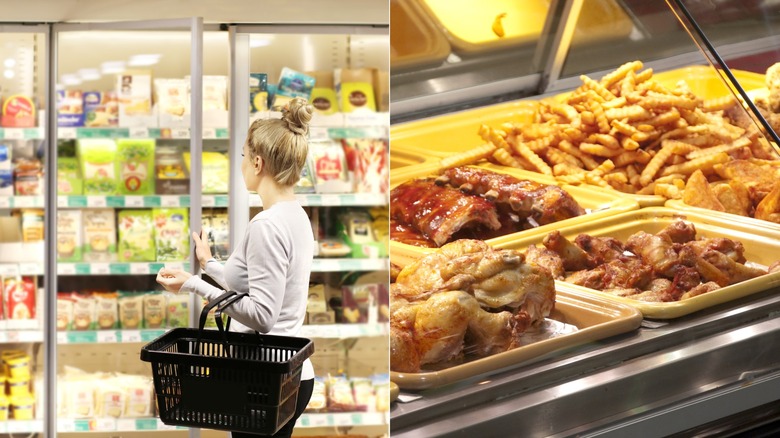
(657, 251)
(679, 232)
(601, 249)
(659, 285)
(700, 289)
(631, 273)
(732, 248)
(574, 258)
(709, 272)
(547, 259)
(590, 278)
(774, 267)
(490, 333)
(735, 272)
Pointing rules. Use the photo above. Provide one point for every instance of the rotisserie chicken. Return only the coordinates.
(465, 299)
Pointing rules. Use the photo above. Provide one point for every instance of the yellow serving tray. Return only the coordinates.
(403, 159)
(679, 205)
(602, 203)
(594, 317)
(415, 41)
(762, 246)
(468, 25)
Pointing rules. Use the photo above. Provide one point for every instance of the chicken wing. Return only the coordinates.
(574, 258)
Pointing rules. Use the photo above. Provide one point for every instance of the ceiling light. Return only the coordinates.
(112, 67)
(143, 60)
(89, 74)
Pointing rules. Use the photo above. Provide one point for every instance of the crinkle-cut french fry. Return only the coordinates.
(633, 175)
(628, 83)
(588, 118)
(631, 112)
(467, 157)
(680, 147)
(724, 133)
(669, 179)
(623, 127)
(718, 103)
(589, 162)
(655, 164)
(647, 190)
(653, 86)
(557, 156)
(501, 156)
(605, 140)
(620, 73)
(630, 144)
(656, 101)
(765, 162)
(599, 150)
(614, 103)
(705, 163)
(702, 140)
(524, 151)
(566, 111)
(668, 191)
(664, 118)
(644, 75)
(600, 115)
(484, 132)
(561, 169)
(603, 168)
(540, 144)
(615, 177)
(597, 87)
(728, 147)
(675, 159)
(537, 130)
(499, 141)
(679, 133)
(573, 179)
(584, 96)
(597, 180)
(573, 135)
(629, 157)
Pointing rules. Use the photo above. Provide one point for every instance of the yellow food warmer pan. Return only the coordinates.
(595, 319)
(599, 203)
(473, 28)
(679, 205)
(415, 41)
(403, 159)
(762, 246)
(442, 136)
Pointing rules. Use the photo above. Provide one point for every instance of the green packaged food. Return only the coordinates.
(171, 234)
(69, 181)
(136, 236)
(97, 158)
(135, 166)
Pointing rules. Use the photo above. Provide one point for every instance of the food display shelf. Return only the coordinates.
(21, 426)
(66, 425)
(667, 376)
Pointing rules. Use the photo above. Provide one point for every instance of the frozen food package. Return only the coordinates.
(32, 225)
(64, 311)
(106, 310)
(130, 310)
(70, 108)
(258, 92)
(139, 392)
(291, 84)
(363, 392)
(69, 181)
(69, 237)
(136, 236)
(18, 112)
(110, 398)
(101, 109)
(99, 233)
(4, 407)
(177, 310)
(220, 233)
(340, 397)
(171, 178)
(306, 183)
(6, 171)
(84, 312)
(370, 164)
(381, 384)
(18, 366)
(135, 166)
(324, 100)
(19, 297)
(172, 96)
(97, 158)
(355, 90)
(328, 165)
(319, 399)
(172, 239)
(134, 93)
(22, 407)
(214, 93)
(28, 176)
(216, 171)
(80, 397)
(154, 310)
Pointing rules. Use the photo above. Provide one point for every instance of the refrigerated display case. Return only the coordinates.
(692, 367)
(155, 82)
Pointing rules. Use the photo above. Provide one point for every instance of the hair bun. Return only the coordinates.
(297, 115)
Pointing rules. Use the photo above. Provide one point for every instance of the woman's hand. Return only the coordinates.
(202, 251)
(172, 279)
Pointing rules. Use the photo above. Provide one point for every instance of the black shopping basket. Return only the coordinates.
(216, 379)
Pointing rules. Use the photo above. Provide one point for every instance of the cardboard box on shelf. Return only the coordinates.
(18, 112)
(101, 109)
(355, 89)
(12, 247)
(134, 95)
(70, 108)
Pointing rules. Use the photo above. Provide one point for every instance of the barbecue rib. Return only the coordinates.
(544, 203)
(439, 212)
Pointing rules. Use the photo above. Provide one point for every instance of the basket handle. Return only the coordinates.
(213, 303)
(222, 307)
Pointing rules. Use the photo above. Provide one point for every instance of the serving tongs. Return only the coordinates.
(698, 36)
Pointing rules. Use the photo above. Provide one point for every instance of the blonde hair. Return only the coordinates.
(282, 143)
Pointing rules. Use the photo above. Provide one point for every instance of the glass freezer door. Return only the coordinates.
(127, 118)
(25, 346)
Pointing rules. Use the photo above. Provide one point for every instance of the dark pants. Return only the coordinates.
(304, 395)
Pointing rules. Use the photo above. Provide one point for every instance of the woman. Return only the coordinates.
(273, 261)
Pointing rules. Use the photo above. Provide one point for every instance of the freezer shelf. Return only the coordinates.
(694, 370)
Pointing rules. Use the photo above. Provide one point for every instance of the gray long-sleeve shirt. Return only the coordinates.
(273, 264)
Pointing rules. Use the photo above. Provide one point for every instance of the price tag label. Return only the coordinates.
(169, 201)
(66, 132)
(9, 270)
(208, 201)
(30, 269)
(329, 265)
(134, 201)
(139, 269)
(131, 336)
(4, 337)
(107, 336)
(101, 268)
(318, 133)
(125, 424)
(20, 426)
(62, 201)
(62, 337)
(139, 132)
(14, 134)
(66, 269)
(175, 265)
(24, 201)
(180, 133)
(104, 424)
(331, 200)
(96, 201)
(66, 425)
(209, 133)
(320, 420)
(5, 202)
